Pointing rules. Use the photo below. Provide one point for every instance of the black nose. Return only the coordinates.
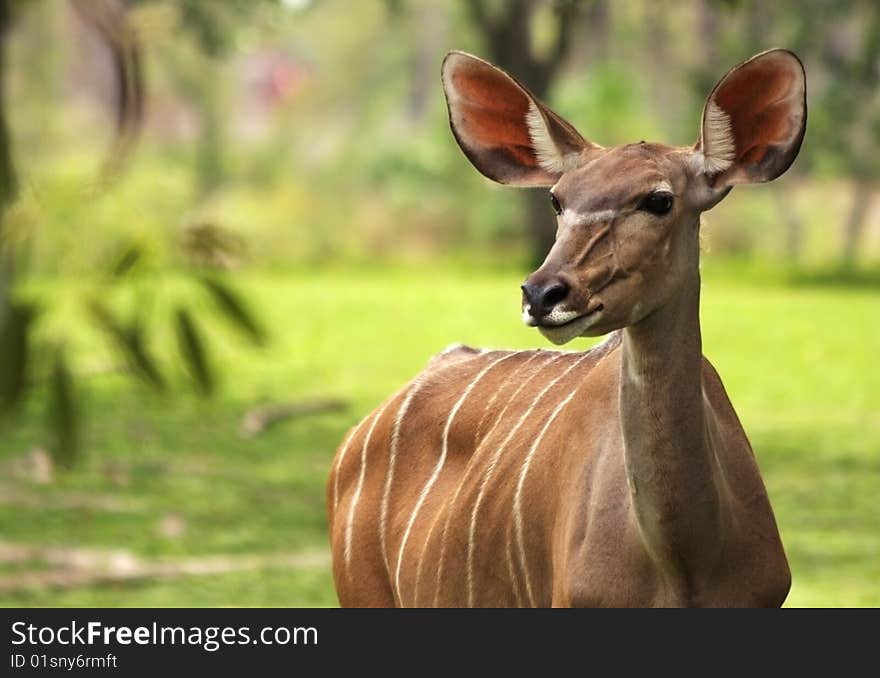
(543, 298)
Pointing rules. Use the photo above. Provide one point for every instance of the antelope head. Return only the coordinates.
(628, 216)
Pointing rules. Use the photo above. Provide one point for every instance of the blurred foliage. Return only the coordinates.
(311, 136)
(275, 134)
(203, 244)
(307, 149)
(63, 419)
(192, 348)
(16, 320)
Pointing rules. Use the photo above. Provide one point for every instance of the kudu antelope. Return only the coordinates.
(620, 476)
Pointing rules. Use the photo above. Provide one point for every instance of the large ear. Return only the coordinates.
(506, 133)
(754, 120)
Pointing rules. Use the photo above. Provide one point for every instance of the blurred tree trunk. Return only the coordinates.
(540, 227)
(593, 45)
(662, 90)
(855, 220)
(8, 182)
(855, 99)
(598, 25)
(430, 35)
(709, 33)
(760, 19)
(508, 36)
(791, 222)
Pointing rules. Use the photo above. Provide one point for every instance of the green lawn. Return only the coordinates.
(171, 480)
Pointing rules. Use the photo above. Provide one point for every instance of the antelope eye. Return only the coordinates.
(657, 203)
(555, 202)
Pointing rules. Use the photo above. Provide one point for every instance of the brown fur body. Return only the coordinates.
(586, 552)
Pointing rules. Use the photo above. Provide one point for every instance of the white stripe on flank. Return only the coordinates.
(429, 533)
(360, 486)
(436, 473)
(439, 513)
(351, 434)
(491, 468)
(494, 398)
(511, 571)
(465, 475)
(517, 498)
(392, 461)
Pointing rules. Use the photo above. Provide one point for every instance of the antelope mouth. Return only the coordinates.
(565, 332)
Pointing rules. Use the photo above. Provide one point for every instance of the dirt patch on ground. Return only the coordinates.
(58, 567)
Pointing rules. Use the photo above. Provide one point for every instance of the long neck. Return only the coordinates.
(672, 471)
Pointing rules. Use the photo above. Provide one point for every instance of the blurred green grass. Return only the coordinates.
(798, 362)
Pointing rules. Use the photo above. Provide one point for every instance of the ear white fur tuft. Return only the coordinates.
(754, 120)
(546, 151)
(719, 147)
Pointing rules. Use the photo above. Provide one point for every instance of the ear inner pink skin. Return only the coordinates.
(765, 101)
(492, 118)
(489, 114)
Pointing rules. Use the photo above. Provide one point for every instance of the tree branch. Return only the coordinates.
(109, 20)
